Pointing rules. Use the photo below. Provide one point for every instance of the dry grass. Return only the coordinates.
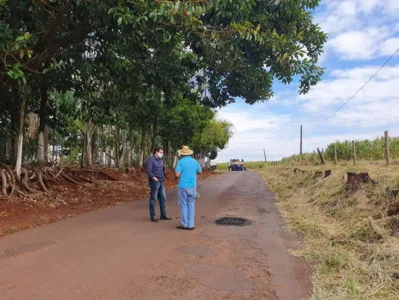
(350, 241)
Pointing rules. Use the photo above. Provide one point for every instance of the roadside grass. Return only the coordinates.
(350, 241)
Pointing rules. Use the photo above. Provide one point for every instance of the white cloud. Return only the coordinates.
(360, 29)
(389, 46)
(392, 7)
(255, 128)
(376, 105)
(359, 44)
(247, 120)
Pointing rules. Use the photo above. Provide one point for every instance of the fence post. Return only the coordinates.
(314, 157)
(387, 155)
(322, 152)
(354, 152)
(321, 156)
(335, 153)
(264, 153)
(300, 148)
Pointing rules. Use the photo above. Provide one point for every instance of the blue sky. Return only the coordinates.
(362, 35)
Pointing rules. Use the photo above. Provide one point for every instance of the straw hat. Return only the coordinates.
(185, 151)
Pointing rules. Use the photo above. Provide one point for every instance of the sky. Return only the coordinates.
(362, 35)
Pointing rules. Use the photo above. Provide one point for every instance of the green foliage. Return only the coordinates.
(152, 69)
(368, 150)
(365, 150)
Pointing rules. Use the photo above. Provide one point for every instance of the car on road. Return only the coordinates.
(237, 165)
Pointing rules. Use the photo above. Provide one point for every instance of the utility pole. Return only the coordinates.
(264, 153)
(300, 146)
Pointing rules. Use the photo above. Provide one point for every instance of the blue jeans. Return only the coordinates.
(157, 191)
(187, 206)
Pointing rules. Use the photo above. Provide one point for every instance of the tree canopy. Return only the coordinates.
(116, 78)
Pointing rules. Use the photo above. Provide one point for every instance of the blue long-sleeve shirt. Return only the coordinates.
(155, 168)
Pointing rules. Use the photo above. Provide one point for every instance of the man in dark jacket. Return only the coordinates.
(156, 176)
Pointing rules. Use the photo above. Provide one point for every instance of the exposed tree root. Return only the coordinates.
(36, 183)
(4, 183)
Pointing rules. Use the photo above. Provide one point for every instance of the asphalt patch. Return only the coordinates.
(26, 248)
(232, 221)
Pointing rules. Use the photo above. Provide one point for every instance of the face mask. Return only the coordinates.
(160, 155)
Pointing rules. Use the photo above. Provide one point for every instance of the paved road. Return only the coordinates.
(116, 253)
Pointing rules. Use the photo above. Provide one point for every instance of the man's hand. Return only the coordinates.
(155, 179)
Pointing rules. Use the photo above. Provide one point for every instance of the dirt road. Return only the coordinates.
(116, 253)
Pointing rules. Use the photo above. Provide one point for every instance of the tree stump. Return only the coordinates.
(395, 193)
(393, 209)
(327, 173)
(354, 180)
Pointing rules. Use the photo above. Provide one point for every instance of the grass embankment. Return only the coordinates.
(350, 241)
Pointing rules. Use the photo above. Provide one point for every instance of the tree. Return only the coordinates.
(212, 138)
(103, 74)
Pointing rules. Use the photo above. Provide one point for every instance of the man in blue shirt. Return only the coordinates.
(156, 176)
(186, 170)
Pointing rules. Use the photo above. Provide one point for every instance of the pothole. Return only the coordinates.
(232, 221)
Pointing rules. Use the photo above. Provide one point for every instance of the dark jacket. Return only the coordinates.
(155, 168)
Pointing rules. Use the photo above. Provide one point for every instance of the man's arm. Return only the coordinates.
(178, 170)
(149, 170)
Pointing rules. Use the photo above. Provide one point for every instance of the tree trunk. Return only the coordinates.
(94, 147)
(41, 159)
(131, 149)
(3, 152)
(53, 142)
(126, 150)
(166, 153)
(88, 144)
(14, 124)
(82, 157)
(142, 148)
(46, 143)
(62, 153)
(18, 164)
(109, 161)
(117, 146)
(154, 137)
(202, 158)
(100, 148)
